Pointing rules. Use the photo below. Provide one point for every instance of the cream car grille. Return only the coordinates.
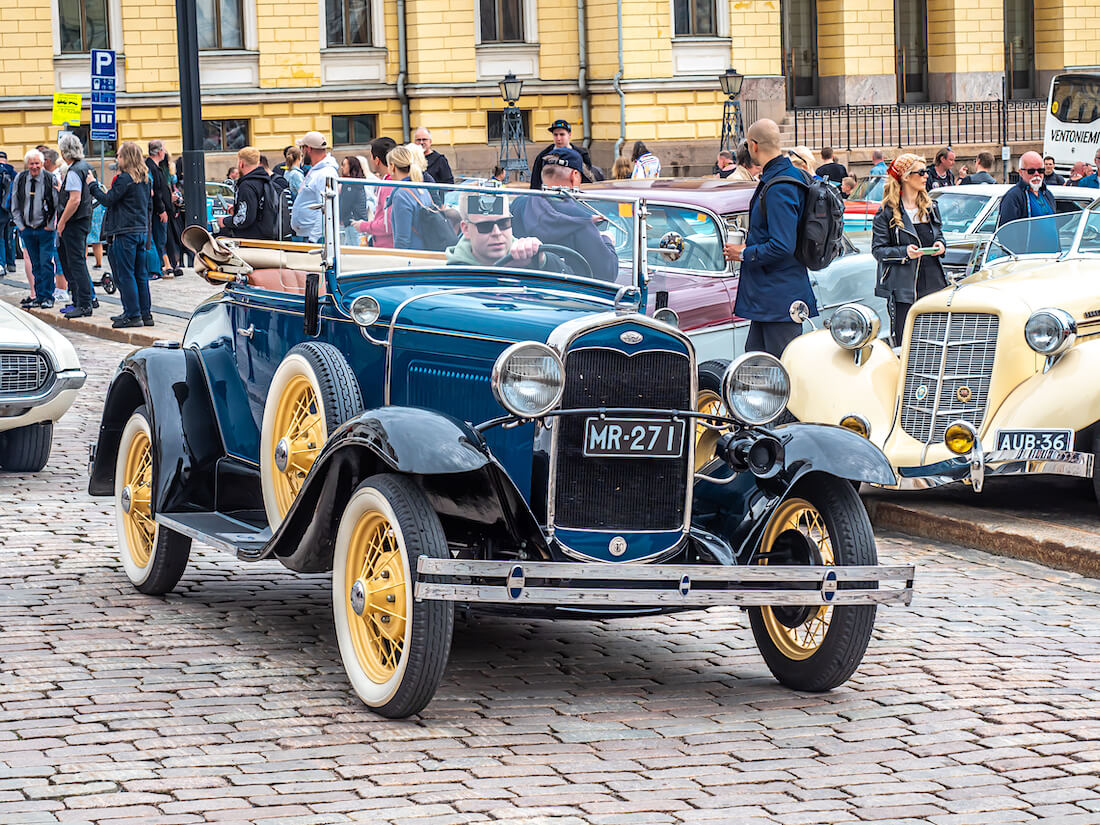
(22, 372)
(948, 372)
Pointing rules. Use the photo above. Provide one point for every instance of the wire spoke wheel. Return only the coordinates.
(375, 568)
(138, 481)
(300, 428)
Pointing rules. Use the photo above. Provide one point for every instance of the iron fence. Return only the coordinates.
(920, 124)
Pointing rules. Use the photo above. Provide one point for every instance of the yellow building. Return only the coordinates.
(619, 70)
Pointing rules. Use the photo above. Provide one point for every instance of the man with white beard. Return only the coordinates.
(1029, 198)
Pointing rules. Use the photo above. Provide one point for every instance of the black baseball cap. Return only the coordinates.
(564, 156)
(3, 154)
(560, 124)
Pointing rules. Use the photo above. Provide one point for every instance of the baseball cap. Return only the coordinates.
(3, 154)
(483, 203)
(564, 157)
(314, 140)
(560, 124)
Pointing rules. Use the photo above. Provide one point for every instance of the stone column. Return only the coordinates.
(966, 49)
(855, 41)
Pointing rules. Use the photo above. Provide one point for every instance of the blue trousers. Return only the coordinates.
(127, 257)
(41, 245)
(7, 240)
(160, 239)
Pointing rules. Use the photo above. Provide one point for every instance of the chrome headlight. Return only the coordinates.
(528, 379)
(756, 388)
(365, 310)
(1050, 331)
(854, 326)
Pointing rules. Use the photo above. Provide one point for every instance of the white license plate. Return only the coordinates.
(1060, 440)
(633, 438)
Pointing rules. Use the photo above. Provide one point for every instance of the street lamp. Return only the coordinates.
(733, 130)
(513, 143)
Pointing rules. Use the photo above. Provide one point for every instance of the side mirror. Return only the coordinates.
(671, 246)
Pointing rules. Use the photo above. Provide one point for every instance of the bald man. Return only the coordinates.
(771, 279)
(1030, 197)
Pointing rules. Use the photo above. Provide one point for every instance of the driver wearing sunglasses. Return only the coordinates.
(1029, 198)
(487, 237)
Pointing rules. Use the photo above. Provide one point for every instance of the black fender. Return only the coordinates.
(471, 492)
(832, 450)
(172, 385)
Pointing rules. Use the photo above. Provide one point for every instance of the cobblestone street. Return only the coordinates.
(227, 702)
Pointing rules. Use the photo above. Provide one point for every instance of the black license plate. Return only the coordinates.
(1059, 440)
(633, 438)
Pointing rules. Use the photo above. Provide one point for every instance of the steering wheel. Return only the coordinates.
(565, 252)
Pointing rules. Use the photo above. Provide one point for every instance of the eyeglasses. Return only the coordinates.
(485, 227)
(1033, 171)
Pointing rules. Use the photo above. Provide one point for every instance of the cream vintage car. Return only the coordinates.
(997, 374)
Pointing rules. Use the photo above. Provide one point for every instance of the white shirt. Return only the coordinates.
(647, 166)
(307, 222)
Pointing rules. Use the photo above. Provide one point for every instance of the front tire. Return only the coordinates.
(708, 399)
(394, 648)
(26, 449)
(816, 648)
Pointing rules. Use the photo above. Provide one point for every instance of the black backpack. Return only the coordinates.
(820, 224)
(283, 198)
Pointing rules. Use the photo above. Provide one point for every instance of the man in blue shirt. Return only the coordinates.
(1030, 197)
(1092, 181)
(771, 279)
(880, 163)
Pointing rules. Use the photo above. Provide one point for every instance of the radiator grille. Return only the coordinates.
(948, 372)
(620, 493)
(22, 372)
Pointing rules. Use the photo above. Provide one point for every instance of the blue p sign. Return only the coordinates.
(103, 63)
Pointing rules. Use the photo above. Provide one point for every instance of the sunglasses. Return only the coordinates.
(922, 172)
(485, 227)
(1033, 171)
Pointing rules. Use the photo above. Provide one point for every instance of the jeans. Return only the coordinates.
(74, 260)
(160, 239)
(7, 240)
(40, 244)
(127, 257)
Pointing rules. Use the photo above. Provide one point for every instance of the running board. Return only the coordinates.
(220, 531)
(658, 585)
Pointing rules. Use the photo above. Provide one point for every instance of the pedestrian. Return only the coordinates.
(405, 202)
(803, 158)
(908, 223)
(380, 225)
(232, 176)
(847, 186)
(126, 225)
(746, 170)
(499, 175)
(562, 134)
(7, 224)
(280, 169)
(354, 204)
(878, 161)
(255, 208)
(50, 162)
(941, 175)
(1090, 180)
(176, 217)
(771, 279)
(646, 164)
(293, 171)
(620, 169)
(307, 222)
(830, 170)
(1029, 198)
(74, 222)
(1079, 171)
(162, 204)
(725, 164)
(438, 168)
(34, 210)
(984, 162)
(1050, 177)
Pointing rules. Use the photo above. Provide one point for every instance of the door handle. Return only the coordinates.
(247, 333)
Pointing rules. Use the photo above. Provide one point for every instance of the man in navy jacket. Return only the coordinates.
(771, 279)
(1030, 197)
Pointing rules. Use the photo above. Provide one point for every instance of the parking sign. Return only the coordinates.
(104, 124)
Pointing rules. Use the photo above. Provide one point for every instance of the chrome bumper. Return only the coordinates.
(12, 405)
(655, 585)
(976, 467)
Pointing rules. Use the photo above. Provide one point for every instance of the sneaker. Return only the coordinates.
(123, 323)
(95, 303)
(79, 312)
(11, 267)
(60, 296)
(46, 304)
(177, 272)
(147, 320)
(26, 302)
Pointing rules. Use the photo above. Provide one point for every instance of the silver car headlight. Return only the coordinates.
(854, 326)
(1050, 331)
(365, 310)
(528, 379)
(756, 388)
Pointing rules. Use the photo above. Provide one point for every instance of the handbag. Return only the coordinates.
(433, 227)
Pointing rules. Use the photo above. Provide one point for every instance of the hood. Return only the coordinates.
(16, 327)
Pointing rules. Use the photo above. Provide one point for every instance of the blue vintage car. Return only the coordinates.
(511, 436)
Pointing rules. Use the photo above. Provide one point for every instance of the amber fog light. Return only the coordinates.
(857, 424)
(960, 438)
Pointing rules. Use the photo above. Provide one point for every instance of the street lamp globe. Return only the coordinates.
(510, 89)
(731, 82)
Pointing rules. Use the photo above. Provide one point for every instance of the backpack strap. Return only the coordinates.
(802, 183)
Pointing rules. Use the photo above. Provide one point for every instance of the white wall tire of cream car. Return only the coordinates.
(153, 556)
(394, 648)
(312, 393)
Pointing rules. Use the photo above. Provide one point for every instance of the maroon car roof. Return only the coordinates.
(715, 194)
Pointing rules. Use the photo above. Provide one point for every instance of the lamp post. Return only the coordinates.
(733, 129)
(513, 143)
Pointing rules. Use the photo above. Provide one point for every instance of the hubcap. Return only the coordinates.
(358, 598)
(707, 401)
(377, 599)
(282, 454)
(300, 428)
(127, 498)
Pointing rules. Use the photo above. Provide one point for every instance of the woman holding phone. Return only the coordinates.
(907, 241)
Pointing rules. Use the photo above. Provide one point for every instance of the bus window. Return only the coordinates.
(1075, 98)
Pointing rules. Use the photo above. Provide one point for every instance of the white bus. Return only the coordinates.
(1072, 130)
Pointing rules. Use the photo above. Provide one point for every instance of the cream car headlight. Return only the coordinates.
(854, 326)
(756, 388)
(1050, 331)
(528, 379)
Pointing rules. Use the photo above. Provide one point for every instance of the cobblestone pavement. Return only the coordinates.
(226, 701)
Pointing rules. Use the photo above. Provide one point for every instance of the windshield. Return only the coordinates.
(958, 210)
(868, 189)
(1048, 235)
(1075, 98)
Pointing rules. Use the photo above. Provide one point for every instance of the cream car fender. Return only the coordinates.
(827, 384)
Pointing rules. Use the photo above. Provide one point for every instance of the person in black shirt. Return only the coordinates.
(254, 208)
(562, 132)
(1050, 177)
(941, 175)
(725, 165)
(830, 170)
(438, 170)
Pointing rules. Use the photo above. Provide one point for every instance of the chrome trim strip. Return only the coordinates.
(12, 405)
(996, 463)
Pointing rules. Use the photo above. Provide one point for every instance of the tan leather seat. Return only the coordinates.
(292, 281)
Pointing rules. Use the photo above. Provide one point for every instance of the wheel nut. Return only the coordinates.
(391, 598)
(385, 620)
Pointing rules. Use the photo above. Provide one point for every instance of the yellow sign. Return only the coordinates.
(626, 210)
(66, 109)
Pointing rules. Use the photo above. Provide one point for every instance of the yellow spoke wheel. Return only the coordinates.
(137, 499)
(300, 427)
(376, 600)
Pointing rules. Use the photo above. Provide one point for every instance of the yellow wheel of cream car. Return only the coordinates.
(816, 647)
(394, 648)
(312, 393)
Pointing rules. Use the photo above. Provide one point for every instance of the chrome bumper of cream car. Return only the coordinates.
(12, 405)
(659, 585)
(976, 467)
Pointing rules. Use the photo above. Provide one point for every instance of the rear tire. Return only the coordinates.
(26, 449)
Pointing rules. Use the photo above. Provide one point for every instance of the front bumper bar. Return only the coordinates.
(657, 585)
(977, 466)
(13, 405)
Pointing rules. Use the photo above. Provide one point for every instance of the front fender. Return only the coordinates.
(833, 450)
(1065, 397)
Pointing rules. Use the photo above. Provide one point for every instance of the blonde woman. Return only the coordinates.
(802, 157)
(126, 224)
(907, 241)
(405, 201)
(622, 168)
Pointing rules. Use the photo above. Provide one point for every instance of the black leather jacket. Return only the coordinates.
(897, 272)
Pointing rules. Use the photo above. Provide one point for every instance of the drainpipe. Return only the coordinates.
(616, 83)
(582, 73)
(402, 71)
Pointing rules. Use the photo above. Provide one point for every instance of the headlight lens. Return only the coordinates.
(960, 437)
(853, 326)
(756, 388)
(528, 379)
(857, 424)
(1050, 331)
(365, 310)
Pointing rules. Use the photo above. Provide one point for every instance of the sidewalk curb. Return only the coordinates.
(136, 337)
(916, 521)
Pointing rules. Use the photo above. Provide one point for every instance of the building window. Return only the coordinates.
(354, 130)
(220, 25)
(94, 148)
(224, 135)
(501, 21)
(348, 22)
(83, 25)
(495, 122)
(695, 18)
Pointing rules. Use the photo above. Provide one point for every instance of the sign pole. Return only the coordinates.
(194, 168)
